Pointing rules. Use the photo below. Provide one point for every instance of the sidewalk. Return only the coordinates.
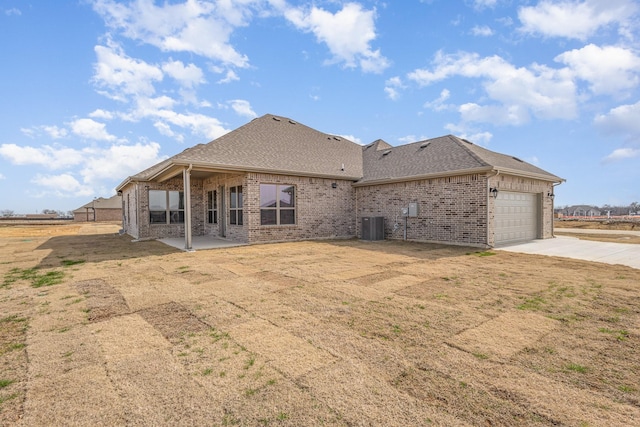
(572, 247)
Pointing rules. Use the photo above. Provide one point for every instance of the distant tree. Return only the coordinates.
(49, 211)
(6, 212)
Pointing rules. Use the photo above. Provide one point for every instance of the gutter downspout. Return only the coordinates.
(488, 201)
(186, 180)
(553, 191)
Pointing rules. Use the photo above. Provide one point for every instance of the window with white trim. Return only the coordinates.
(212, 207)
(235, 205)
(277, 204)
(166, 207)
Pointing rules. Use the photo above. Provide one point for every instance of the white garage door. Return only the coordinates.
(516, 217)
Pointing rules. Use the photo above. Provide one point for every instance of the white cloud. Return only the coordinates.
(55, 132)
(621, 120)
(51, 157)
(2, 176)
(123, 76)
(229, 77)
(470, 134)
(242, 108)
(187, 76)
(393, 86)
(199, 27)
(199, 124)
(101, 114)
(13, 12)
(539, 90)
(622, 154)
(352, 138)
(166, 130)
(439, 103)
(118, 161)
(90, 129)
(609, 69)
(482, 31)
(347, 33)
(576, 19)
(94, 165)
(63, 185)
(481, 4)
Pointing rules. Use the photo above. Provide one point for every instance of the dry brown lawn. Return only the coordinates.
(617, 226)
(97, 330)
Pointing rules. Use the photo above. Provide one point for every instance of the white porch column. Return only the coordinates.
(186, 179)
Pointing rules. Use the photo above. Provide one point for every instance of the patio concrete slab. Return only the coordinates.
(200, 242)
(571, 247)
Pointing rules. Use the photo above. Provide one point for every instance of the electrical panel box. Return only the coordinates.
(413, 210)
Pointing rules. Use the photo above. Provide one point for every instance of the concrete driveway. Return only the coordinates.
(571, 247)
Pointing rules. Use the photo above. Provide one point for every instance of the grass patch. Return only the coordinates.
(32, 275)
(5, 383)
(481, 253)
(621, 334)
(577, 368)
(11, 396)
(481, 356)
(70, 262)
(533, 304)
(250, 362)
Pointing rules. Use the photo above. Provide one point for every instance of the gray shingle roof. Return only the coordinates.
(438, 156)
(281, 145)
(274, 143)
(113, 202)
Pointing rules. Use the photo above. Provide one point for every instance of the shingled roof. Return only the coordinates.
(272, 144)
(442, 156)
(275, 144)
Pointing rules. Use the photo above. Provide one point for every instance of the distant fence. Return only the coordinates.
(612, 218)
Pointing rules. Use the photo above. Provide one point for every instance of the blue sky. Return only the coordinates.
(94, 91)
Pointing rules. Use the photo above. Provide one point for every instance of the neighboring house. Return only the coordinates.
(100, 209)
(583, 210)
(274, 179)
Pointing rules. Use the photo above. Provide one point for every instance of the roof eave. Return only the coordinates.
(542, 177)
(175, 167)
(444, 174)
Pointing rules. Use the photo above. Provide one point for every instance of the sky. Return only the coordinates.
(94, 91)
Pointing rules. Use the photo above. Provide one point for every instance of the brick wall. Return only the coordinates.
(321, 210)
(451, 209)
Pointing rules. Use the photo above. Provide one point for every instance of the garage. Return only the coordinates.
(516, 217)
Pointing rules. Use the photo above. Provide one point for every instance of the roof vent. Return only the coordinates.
(515, 158)
(336, 138)
(292, 122)
(424, 144)
(386, 152)
(467, 141)
(277, 119)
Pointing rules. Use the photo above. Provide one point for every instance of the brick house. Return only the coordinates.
(100, 209)
(274, 179)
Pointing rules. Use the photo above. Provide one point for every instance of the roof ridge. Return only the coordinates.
(462, 143)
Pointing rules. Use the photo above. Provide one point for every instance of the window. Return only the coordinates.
(166, 207)
(235, 208)
(212, 206)
(277, 204)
